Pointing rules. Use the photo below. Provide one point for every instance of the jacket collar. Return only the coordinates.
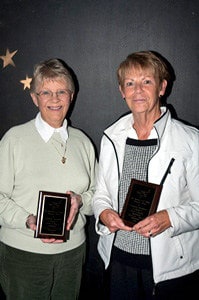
(122, 127)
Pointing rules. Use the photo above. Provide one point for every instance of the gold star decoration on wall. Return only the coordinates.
(26, 82)
(7, 59)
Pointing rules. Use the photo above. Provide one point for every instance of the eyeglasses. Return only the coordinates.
(60, 94)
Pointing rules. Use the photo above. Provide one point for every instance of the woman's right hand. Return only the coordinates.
(112, 220)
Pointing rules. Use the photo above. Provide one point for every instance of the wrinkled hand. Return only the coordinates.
(52, 241)
(31, 224)
(76, 204)
(154, 224)
(112, 220)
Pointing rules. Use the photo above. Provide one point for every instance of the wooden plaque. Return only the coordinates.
(52, 213)
(141, 201)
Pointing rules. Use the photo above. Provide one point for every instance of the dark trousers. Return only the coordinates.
(25, 275)
(182, 288)
(130, 279)
(127, 283)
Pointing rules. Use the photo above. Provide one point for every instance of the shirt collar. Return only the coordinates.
(153, 134)
(46, 131)
(133, 135)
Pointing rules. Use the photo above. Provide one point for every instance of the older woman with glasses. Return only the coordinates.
(45, 154)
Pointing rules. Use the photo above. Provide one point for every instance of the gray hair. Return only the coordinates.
(51, 69)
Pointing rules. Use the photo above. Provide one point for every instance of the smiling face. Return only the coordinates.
(142, 91)
(53, 108)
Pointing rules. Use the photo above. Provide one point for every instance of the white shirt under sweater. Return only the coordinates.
(28, 165)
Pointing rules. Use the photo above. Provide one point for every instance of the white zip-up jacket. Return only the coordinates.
(175, 252)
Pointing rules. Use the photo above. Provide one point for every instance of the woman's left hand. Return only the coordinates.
(154, 224)
(76, 204)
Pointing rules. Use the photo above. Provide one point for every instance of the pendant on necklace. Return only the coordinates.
(63, 160)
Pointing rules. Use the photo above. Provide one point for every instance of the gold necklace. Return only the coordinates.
(63, 157)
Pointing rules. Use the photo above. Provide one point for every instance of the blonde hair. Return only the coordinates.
(144, 60)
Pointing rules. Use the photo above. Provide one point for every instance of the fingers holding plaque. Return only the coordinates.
(141, 201)
(52, 213)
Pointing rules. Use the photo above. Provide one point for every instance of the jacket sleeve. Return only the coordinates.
(103, 197)
(185, 216)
